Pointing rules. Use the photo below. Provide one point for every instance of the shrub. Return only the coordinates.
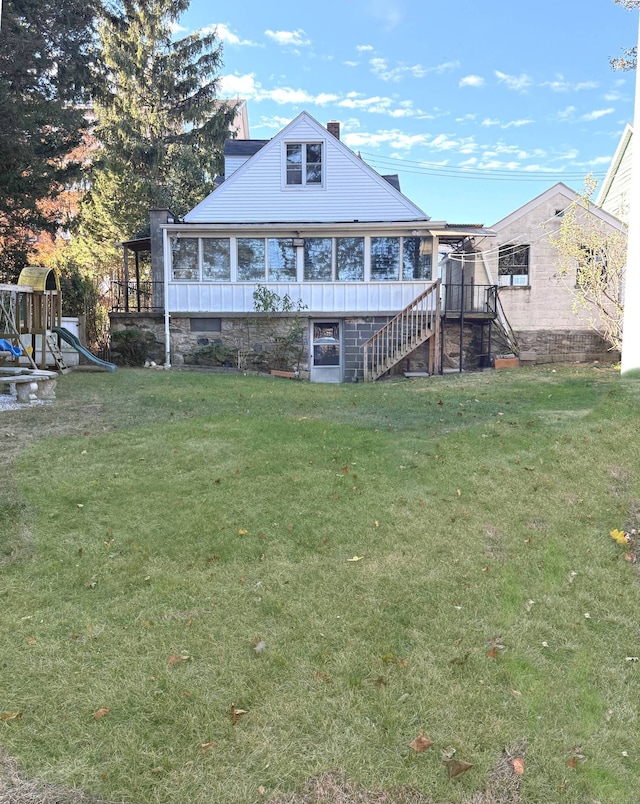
(133, 345)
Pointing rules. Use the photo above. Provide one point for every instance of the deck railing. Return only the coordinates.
(417, 323)
(471, 299)
(135, 297)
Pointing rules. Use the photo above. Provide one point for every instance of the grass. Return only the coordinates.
(155, 527)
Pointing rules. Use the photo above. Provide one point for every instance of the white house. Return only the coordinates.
(305, 218)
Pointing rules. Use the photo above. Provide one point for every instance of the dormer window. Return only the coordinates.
(304, 164)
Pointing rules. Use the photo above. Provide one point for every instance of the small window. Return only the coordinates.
(513, 265)
(205, 324)
(303, 164)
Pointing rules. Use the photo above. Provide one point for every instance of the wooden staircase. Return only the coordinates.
(417, 323)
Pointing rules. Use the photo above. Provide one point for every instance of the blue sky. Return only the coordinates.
(478, 105)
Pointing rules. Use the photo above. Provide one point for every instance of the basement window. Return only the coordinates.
(205, 324)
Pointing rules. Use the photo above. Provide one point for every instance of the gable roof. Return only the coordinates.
(353, 191)
(568, 195)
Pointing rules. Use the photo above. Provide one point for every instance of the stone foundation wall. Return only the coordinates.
(247, 343)
(566, 346)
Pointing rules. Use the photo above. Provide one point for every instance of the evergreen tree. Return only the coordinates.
(45, 50)
(160, 125)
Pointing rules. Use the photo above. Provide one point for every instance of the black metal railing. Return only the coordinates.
(471, 299)
(135, 297)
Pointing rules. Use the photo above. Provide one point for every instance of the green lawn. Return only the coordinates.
(158, 527)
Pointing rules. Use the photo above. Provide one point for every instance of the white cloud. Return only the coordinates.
(518, 123)
(516, 82)
(597, 114)
(471, 81)
(226, 35)
(296, 38)
(445, 67)
(562, 85)
(567, 114)
(364, 48)
(351, 63)
(490, 121)
(239, 86)
(388, 12)
(380, 67)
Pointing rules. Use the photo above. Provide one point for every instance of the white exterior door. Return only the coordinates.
(326, 353)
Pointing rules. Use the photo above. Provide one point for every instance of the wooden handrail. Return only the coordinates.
(417, 323)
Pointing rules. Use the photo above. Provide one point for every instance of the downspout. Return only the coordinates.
(166, 262)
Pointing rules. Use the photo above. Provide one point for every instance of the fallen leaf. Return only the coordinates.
(236, 714)
(242, 532)
(421, 743)
(571, 763)
(456, 767)
(260, 647)
(460, 659)
(104, 710)
(10, 715)
(630, 557)
(174, 659)
(618, 536)
(31, 641)
(207, 746)
(518, 765)
(491, 653)
(262, 790)
(356, 558)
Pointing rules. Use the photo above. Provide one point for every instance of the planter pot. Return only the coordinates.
(506, 362)
(291, 375)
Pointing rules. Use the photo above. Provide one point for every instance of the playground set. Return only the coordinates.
(31, 332)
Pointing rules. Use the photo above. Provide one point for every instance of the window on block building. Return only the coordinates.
(513, 265)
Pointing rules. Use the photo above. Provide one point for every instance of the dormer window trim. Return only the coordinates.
(303, 164)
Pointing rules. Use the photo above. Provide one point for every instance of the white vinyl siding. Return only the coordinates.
(319, 297)
(351, 190)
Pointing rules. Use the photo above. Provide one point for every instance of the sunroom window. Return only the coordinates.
(513, 265)
(350, 259)
(416, 257)
(251, 259)
(318, 256)
(216, 259)
(282, 259)
(303, 163)
(184, 259)
(385, 258)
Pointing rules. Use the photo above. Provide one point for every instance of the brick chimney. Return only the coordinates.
(333, 127)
